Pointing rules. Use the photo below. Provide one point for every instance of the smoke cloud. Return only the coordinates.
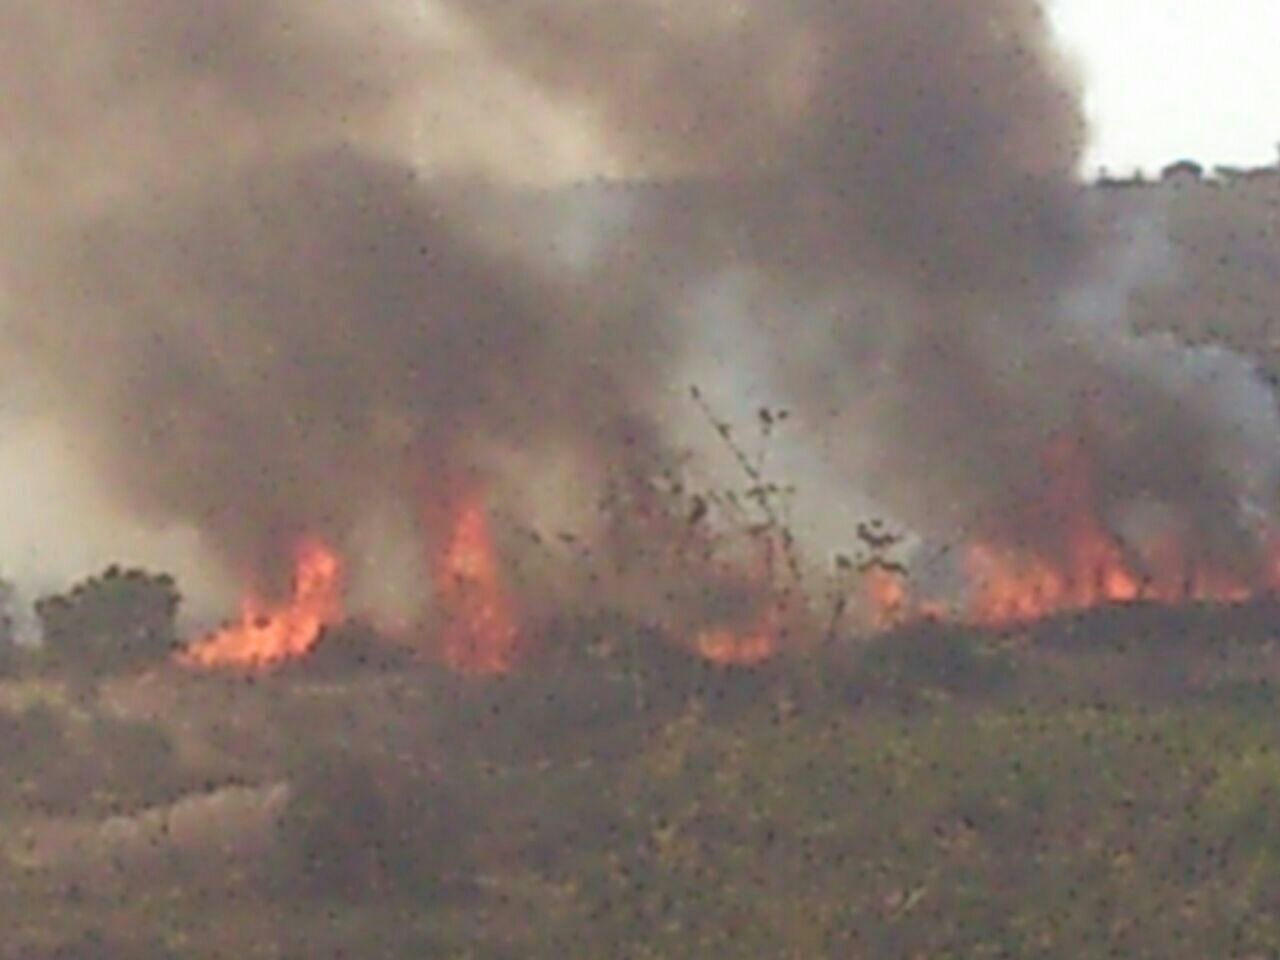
(232, 269)
(900, 178)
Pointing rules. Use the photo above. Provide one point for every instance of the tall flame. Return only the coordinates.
(267, 634)
(480, 632)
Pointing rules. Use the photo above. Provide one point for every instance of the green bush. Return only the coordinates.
(120, 619)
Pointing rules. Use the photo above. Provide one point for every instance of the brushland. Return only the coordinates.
(1102, 785)
(1095, 785)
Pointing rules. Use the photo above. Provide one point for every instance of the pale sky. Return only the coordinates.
(1174, 79)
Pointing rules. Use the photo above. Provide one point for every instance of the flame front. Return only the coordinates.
(740, 648)
(1008, 587)
(480, 632)
(266, 634)
(1084, 566)
(1090, 568)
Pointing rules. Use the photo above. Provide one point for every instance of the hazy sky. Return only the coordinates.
(1169, 79)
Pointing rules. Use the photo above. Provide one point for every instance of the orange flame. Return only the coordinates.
(268, 635)
(1089, 567)
(1011, 587)
(481, 637)
(740, 648)
(887, 597)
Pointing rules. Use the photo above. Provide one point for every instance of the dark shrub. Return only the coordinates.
(934, 657)
(118, 620)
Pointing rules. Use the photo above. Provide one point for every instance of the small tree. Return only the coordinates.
(119, 619)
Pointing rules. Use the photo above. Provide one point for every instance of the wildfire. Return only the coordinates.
(734, 648)
(1012, 587)
(1079, 563)
(1091, 568)
(480, 634)
(887, 597)
(267, 635)
(1086, 566)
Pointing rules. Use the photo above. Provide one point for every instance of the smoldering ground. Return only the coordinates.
(229, 281)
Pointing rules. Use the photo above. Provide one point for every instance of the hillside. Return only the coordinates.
(1224, 236)
(1096, 785)
(1100, 786)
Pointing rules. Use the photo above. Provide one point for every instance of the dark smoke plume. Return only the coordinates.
(295, 340)
(254, 323)
(262, 323)
(914, 164)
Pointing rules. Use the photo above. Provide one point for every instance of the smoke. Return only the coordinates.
(277, 286)
(899, 178)
(937, 138)
(253, 320)
(277, 349)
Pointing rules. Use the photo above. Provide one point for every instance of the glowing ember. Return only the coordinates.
(733, 648)
(267, 635)
(480, 635)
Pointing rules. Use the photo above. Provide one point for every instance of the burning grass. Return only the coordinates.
(637, 787)
(480, 636)
(271, 633)
(728, 582)
(1074, 561)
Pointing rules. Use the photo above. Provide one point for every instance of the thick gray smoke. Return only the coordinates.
(899, 176)
(282, 346)
(225, 277)
(253, 322)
